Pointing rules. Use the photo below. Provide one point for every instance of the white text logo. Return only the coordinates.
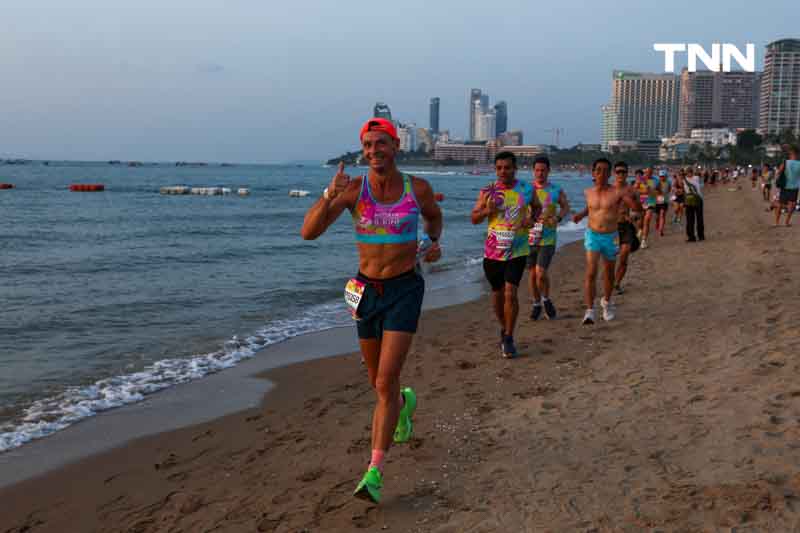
(695, 51)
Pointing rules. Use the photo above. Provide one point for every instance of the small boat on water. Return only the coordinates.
(299, 193)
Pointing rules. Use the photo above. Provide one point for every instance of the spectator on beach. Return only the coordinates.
(788, 183)
(695, 227)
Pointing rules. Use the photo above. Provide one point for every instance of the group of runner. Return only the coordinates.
(385, 296)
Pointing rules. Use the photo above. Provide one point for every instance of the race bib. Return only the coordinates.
(660, 199)
(536, 234)
(353, 292)
(504, 239)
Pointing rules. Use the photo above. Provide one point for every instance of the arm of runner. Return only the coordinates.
(483, 208)
(632, 201)
(325, 212)
(580, 215)
(563, 202)
(431, 215)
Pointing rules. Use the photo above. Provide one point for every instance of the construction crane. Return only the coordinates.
(557, 132)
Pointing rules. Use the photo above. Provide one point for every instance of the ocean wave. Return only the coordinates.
(49, 415)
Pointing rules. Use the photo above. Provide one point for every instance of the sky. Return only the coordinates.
(268, 81)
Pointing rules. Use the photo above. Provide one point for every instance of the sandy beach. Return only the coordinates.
(681, 415)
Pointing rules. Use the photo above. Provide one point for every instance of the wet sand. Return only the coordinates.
(681, 415)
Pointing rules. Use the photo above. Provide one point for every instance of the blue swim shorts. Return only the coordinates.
(607, 244)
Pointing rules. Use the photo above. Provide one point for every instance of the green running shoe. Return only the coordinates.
(405, 428)
(370, 486)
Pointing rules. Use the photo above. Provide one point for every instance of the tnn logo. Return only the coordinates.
(695, 51)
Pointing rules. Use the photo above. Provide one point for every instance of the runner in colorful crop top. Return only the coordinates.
(647, 188)
(543, 237)
(385, 296)
(509, 204)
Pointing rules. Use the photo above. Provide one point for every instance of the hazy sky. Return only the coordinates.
(270, 81)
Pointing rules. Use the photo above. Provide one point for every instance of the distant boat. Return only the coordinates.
(299, 193)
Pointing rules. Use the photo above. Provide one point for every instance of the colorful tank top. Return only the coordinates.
(646, 198)
(792, 171)
(377, 223)
(506, 239)
(545, 233)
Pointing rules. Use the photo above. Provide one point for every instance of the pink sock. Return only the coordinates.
(377, 459)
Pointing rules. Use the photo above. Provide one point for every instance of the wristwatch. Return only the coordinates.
(326, 195)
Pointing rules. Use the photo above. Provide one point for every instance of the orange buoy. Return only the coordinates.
(6, 185)
(438, 196)
(87, 187)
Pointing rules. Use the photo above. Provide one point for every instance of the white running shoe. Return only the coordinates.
(608, 309)
(644, 244)
(588, 317)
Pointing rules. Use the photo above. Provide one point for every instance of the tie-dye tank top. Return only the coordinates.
(377, 223)
(545, 234)
(503, 242)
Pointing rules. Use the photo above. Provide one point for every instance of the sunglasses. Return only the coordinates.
(620, 171)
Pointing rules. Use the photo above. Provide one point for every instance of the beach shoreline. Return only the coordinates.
(678, 416)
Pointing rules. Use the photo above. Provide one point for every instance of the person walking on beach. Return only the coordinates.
(767, 176)
(695, 227)
(601, 237)
(789, 186)
(385, 297)
(678, 196)
(543, 236)
(509, 205)
(646, 185)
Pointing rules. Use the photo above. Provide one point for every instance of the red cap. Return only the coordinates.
(379, 124)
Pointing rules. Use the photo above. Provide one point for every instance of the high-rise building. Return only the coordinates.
(486, 126)
(609, 132)
(718, 98)
(434, 115)
(780, 88)
(424, 140)
(643, 106)
(382, 110)
(501, 112)
(407, 133)
(478, 103)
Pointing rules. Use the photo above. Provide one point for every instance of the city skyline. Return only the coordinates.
(242, 82)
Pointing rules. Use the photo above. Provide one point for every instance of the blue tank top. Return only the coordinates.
(792, 174)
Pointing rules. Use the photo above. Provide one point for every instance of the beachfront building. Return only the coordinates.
(674, 148)
(643, 106)
(511, 138)
(524, 151)
(466, 152)
(714, 136)
(434, 115)
(727, 98)
(780, 88)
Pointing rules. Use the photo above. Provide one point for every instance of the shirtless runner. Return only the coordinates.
(601, 238)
